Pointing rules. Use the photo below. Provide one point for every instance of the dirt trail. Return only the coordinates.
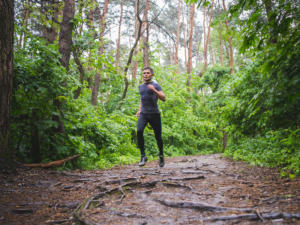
(206, 189)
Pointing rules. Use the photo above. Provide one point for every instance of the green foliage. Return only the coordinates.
(38, 81)
(279, 148)
(103, 140)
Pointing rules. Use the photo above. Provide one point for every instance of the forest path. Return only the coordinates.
(207, 189)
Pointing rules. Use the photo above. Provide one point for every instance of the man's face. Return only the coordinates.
(147, 75)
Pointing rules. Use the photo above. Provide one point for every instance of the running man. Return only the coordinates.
(149, 113)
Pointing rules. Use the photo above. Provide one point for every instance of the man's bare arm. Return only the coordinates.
(139, 112)
(159, 94)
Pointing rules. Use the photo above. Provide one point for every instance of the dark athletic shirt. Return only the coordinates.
(149, 98)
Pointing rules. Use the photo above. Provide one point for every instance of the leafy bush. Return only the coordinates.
(279, 148)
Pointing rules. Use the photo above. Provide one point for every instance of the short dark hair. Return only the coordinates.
(148, 68)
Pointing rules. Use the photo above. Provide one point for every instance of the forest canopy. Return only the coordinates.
(229, 69)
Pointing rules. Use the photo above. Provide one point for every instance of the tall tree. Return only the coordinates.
(102, 23)
(119, 36)
(130, 56)
(65, 36)
(207, 38)
(220, 30)
(146, 27)
(65, 45)
(51, 8)
(190, 56)
(24, 22)
(136, 30)
(229, 42)
(91, 29)
(6, 79)
(185, 30)
(221, 44)
(177, 32)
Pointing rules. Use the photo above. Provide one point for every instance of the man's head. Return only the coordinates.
(147, 74)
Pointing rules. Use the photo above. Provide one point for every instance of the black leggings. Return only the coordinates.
(155, 122)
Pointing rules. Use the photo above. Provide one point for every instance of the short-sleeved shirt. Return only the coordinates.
(149, 98)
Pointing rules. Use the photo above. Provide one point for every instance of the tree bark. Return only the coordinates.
(146, 35)
(211, 52)
(90, 24)
(24, 23)
(81, 71)
(53, 163)
(65, 37)
(6, 80)
(136, 28)
(184, 39)
(119, 37)
(190, 65)
(52, 31)
(102, 26)
(50, 8)
(80, 8)
(271, 19)
(130, 58)
(224, 140)
(96, 86)
(229, 42)
(207, 39)
(221, 45)
(35, 138)
(177, 32)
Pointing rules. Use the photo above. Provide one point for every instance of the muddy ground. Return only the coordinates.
(206, 189)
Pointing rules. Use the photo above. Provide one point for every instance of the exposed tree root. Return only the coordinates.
(120, 181)
(124, 214)
(53, 222)
(176, 185)
(54, 163)
(200, 206)
(254, 216)
(188, 178)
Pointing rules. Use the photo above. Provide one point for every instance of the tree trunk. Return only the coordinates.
(96, 86)
(171, 53)
(50, 8)
(6, 80)
(119, 37)
(211, 52)
(190, 65)
(207, 39)
(52, 31)
(177, 32)
(90, 24)
(65, 45)
(80, 8)
(146, 35)
(224, 140)
(102, 26)
(65, 37)
(184, 38)
(35, 138)
(229, 42)
(136, 28)
(130, 58)
(221, 45)
(271, 19)
(81, 71)
(96, 89)
(24, 23)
